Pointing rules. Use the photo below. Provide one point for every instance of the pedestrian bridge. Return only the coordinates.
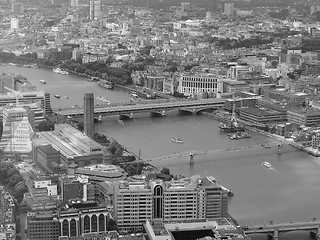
(192, 153)
(273, 230)
(156, 107)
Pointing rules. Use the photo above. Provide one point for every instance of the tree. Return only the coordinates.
(46, 126)
(19, 189)
(165, 171)
(14, 179)
(111, 224)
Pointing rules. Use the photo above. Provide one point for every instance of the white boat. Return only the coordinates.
(60, 71)
(177, 140)
(120, 121)
(57, 96)
(103, 99)
(43, 81)
(266, 164)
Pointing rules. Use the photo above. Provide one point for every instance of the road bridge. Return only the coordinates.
(193, 106)
(191, 154)
(273, 230)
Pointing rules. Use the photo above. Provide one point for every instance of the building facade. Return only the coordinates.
(192, 85)
(190, 198)
(95, 10)
(74, 146)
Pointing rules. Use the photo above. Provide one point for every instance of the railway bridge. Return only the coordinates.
(155, 107)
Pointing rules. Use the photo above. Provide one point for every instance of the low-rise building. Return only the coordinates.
(212, 229)
(306, 117)
(74, 146)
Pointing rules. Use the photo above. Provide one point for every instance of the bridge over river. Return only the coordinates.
(157, 107)
(193, 153)
(273, 230)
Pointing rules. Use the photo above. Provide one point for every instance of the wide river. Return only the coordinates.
(289, 191)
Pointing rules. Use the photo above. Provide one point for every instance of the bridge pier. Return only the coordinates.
(276, 234)
(126, 116)
(159, 113)
(191, 158)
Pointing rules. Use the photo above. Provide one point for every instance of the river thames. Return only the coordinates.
(287, 192)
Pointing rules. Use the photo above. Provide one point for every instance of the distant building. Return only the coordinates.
(14, 23)
(40, 97)
(192, 85)
(134, 202)
(94, 57)
(235, 72)
(6, 81)
(310, 117)
(229, 8)
(95, 10)
(74, 3)
(17, 8)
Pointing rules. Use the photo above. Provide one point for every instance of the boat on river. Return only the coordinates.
(266, 164)
(57, 96)
(239, 135)
(43, 81)
(177, 140)
(60, 71)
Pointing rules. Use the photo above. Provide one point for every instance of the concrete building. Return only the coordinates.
(235, 72)
(17, 8)
(95, 10)
(74, 146)
(88, 114)
(6, 81)
(310, 117)
(193, 85)
(44, 225)
(262, 115)
(40, 97)
(134, 202)
(76, 188)
(229, 9)
(201, 229)
(14, 23)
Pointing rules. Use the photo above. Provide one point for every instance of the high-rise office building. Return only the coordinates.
(189, 198)
(88, 114)
(95, 10)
